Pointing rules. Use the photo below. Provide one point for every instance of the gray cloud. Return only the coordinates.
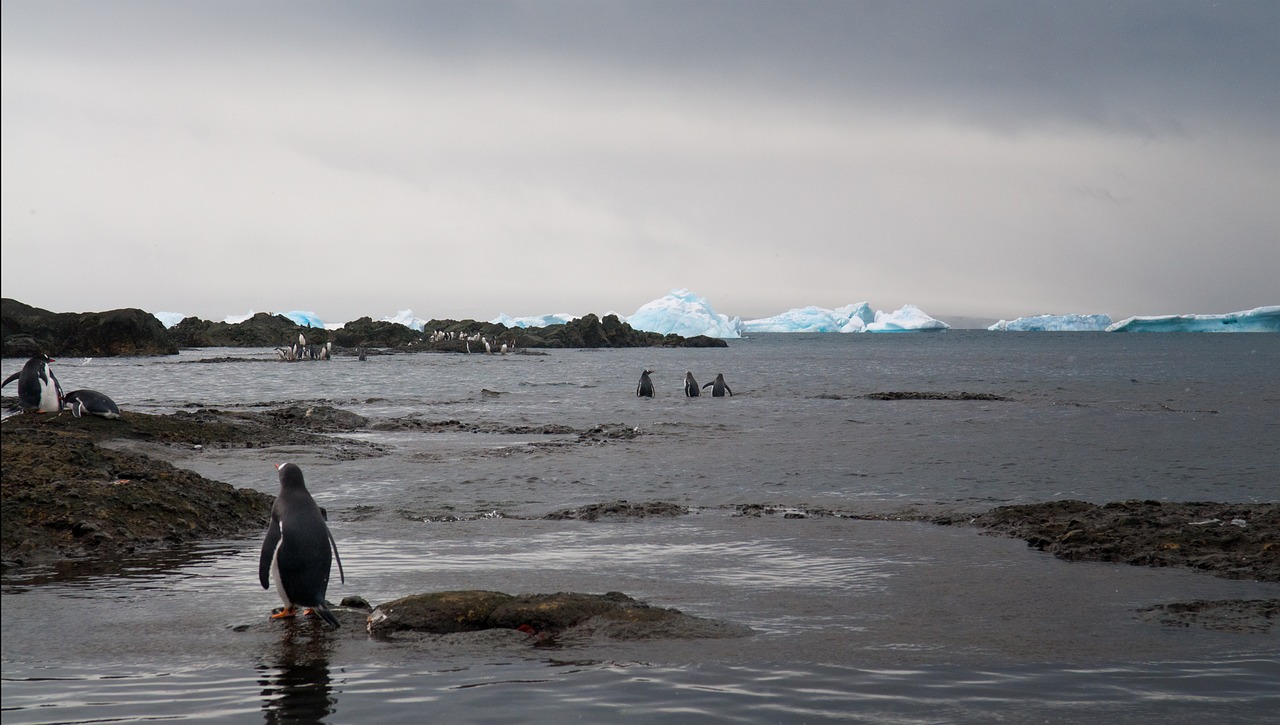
(997, 158)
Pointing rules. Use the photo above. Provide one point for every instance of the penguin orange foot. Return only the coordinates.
(285, 613)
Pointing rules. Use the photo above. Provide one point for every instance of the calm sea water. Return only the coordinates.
(863, 621)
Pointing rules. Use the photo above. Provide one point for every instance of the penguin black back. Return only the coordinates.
(296, 549)
(719, 387)
(644, 388)
(691, 388)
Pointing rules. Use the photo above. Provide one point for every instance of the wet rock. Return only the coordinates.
(260, 330)
(66, 497)
(619, 509)
(613, 615)
(1231, 615)
(1234, 541)
(928, 395)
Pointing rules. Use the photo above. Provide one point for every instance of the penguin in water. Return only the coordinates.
(91, 402)
(38, 388)
(295, 552)
(719, 386)
(691, 388)
(644, 389)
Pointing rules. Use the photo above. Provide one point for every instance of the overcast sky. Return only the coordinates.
(465, 159)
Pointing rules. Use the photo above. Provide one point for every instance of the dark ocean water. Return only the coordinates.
(862, 621)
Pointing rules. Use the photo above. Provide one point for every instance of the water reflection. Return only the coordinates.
(295, 679)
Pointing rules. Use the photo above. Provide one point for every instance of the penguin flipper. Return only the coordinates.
(268, 555)
(10, 379)
(341, 576)
(707, 385)
(728, 390)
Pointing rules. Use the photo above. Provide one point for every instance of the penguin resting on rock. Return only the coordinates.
(38, 389)
(295, 552)
(91, 402)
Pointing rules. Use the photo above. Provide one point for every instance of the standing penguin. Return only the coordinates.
(38, 389)
(644, 388)
(295, 552)
(91, 402)
(720, 386)
(691, 388)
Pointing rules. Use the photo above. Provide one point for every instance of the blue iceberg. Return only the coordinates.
(305, 319)
(1054, 323)
(907, 319)
(850, 318)
(1259, 319)
(685, 314)
(169, 319)
(533, 321)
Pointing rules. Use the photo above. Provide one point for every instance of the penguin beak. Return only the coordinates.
(279, 466)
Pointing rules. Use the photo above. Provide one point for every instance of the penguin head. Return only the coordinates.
(291, 476)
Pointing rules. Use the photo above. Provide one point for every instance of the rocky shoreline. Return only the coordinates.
(67, 497)
(27, 331)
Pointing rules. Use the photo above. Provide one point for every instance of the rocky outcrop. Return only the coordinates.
(613, 615)
(28, 330)
(261, 330)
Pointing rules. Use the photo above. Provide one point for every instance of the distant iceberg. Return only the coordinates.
(406, 318)
(1259, 319)
(535, 321)
(1054, 323)
(305, 319)
(169, 319)
(907, 319)
(685, 314)
(850, 318)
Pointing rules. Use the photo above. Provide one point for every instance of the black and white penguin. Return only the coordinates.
(91, 402)
(691, 388)
(38, 388)
(295, 552)
(720, 387)
(644, 388)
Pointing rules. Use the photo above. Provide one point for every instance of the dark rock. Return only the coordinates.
(27, 330)
(1234, 541)
(612, 615)
(364, 332)
(620, 510)
(928, 395)
(261, 330)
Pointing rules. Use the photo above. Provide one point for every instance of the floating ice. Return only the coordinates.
(1054, 323)
(406, 318)
(685, 314)
(907, 319)
(303, 318)
(850, 318)
(169, 319)
(535, 321)
(1259, 319)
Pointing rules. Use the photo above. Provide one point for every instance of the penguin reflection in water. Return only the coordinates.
(718, 386)
(295, 552)
(644, 389)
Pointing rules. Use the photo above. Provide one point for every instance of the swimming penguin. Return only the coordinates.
(720, 386)
(295, 552)
(91, 402)
(38, 388)
(644, 388)
(691, 388)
